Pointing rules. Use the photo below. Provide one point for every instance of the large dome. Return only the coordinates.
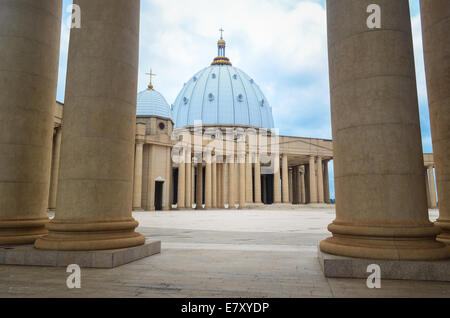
(222, 95)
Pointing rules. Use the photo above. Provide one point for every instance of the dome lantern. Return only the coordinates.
(221, 59)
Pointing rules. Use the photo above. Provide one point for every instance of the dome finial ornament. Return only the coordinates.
(151, 74)
(221, 44)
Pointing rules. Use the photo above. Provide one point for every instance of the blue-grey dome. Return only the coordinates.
(222, 94)
(152, 103)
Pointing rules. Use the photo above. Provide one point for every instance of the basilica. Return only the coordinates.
(220, 97)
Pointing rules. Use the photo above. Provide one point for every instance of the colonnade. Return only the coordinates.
(236, 184)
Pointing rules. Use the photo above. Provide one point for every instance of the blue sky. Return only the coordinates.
(280, 43)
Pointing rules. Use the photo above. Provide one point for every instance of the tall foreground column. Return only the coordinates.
(138, 156)
(381, 208)
(95, 192)
(29, 54)
(436, 35)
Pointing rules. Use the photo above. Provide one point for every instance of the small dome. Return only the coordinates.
(152, 103)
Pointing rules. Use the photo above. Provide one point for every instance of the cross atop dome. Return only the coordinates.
(221, 33)
(150, 86)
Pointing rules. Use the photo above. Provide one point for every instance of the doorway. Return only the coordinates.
(159, 195)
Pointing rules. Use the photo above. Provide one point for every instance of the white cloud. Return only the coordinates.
(281, 44)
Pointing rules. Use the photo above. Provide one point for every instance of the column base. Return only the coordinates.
(386, 243)
(19, 232)
(348, 267)
(89, 235)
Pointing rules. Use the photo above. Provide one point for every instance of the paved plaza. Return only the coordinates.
(219, 253)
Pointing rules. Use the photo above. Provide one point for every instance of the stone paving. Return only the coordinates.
(219, 253)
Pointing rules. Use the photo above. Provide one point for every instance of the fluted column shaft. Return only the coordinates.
(56, 153)
(214, 184)
(436, 35)
(242, 183)
(276, 181)
(381, 208)
(225, 185)
(285, 179)
(312, 181)
(231, 185)
(29, 50)
(95, 192)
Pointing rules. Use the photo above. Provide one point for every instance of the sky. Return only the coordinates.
(281, 44)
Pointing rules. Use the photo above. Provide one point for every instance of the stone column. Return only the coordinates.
(432, 184)
(291, 187)
(95, 193)
(231, 185)
(436, 35)
(312, 181)
(214, 184)
(188, 182)
(56, 152)
(208, 183)
(167, 204)
(29, 49)
(193, 199)
(381, 208)
(225, 186)
(199, 187)
(285, 179)
(181, 185)
(320, 191)
(326, 182)
(248, 180)
(219, 185)
(302, 186)
(276, 181)
(138, 156)
(242, 183)
(257, 181)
